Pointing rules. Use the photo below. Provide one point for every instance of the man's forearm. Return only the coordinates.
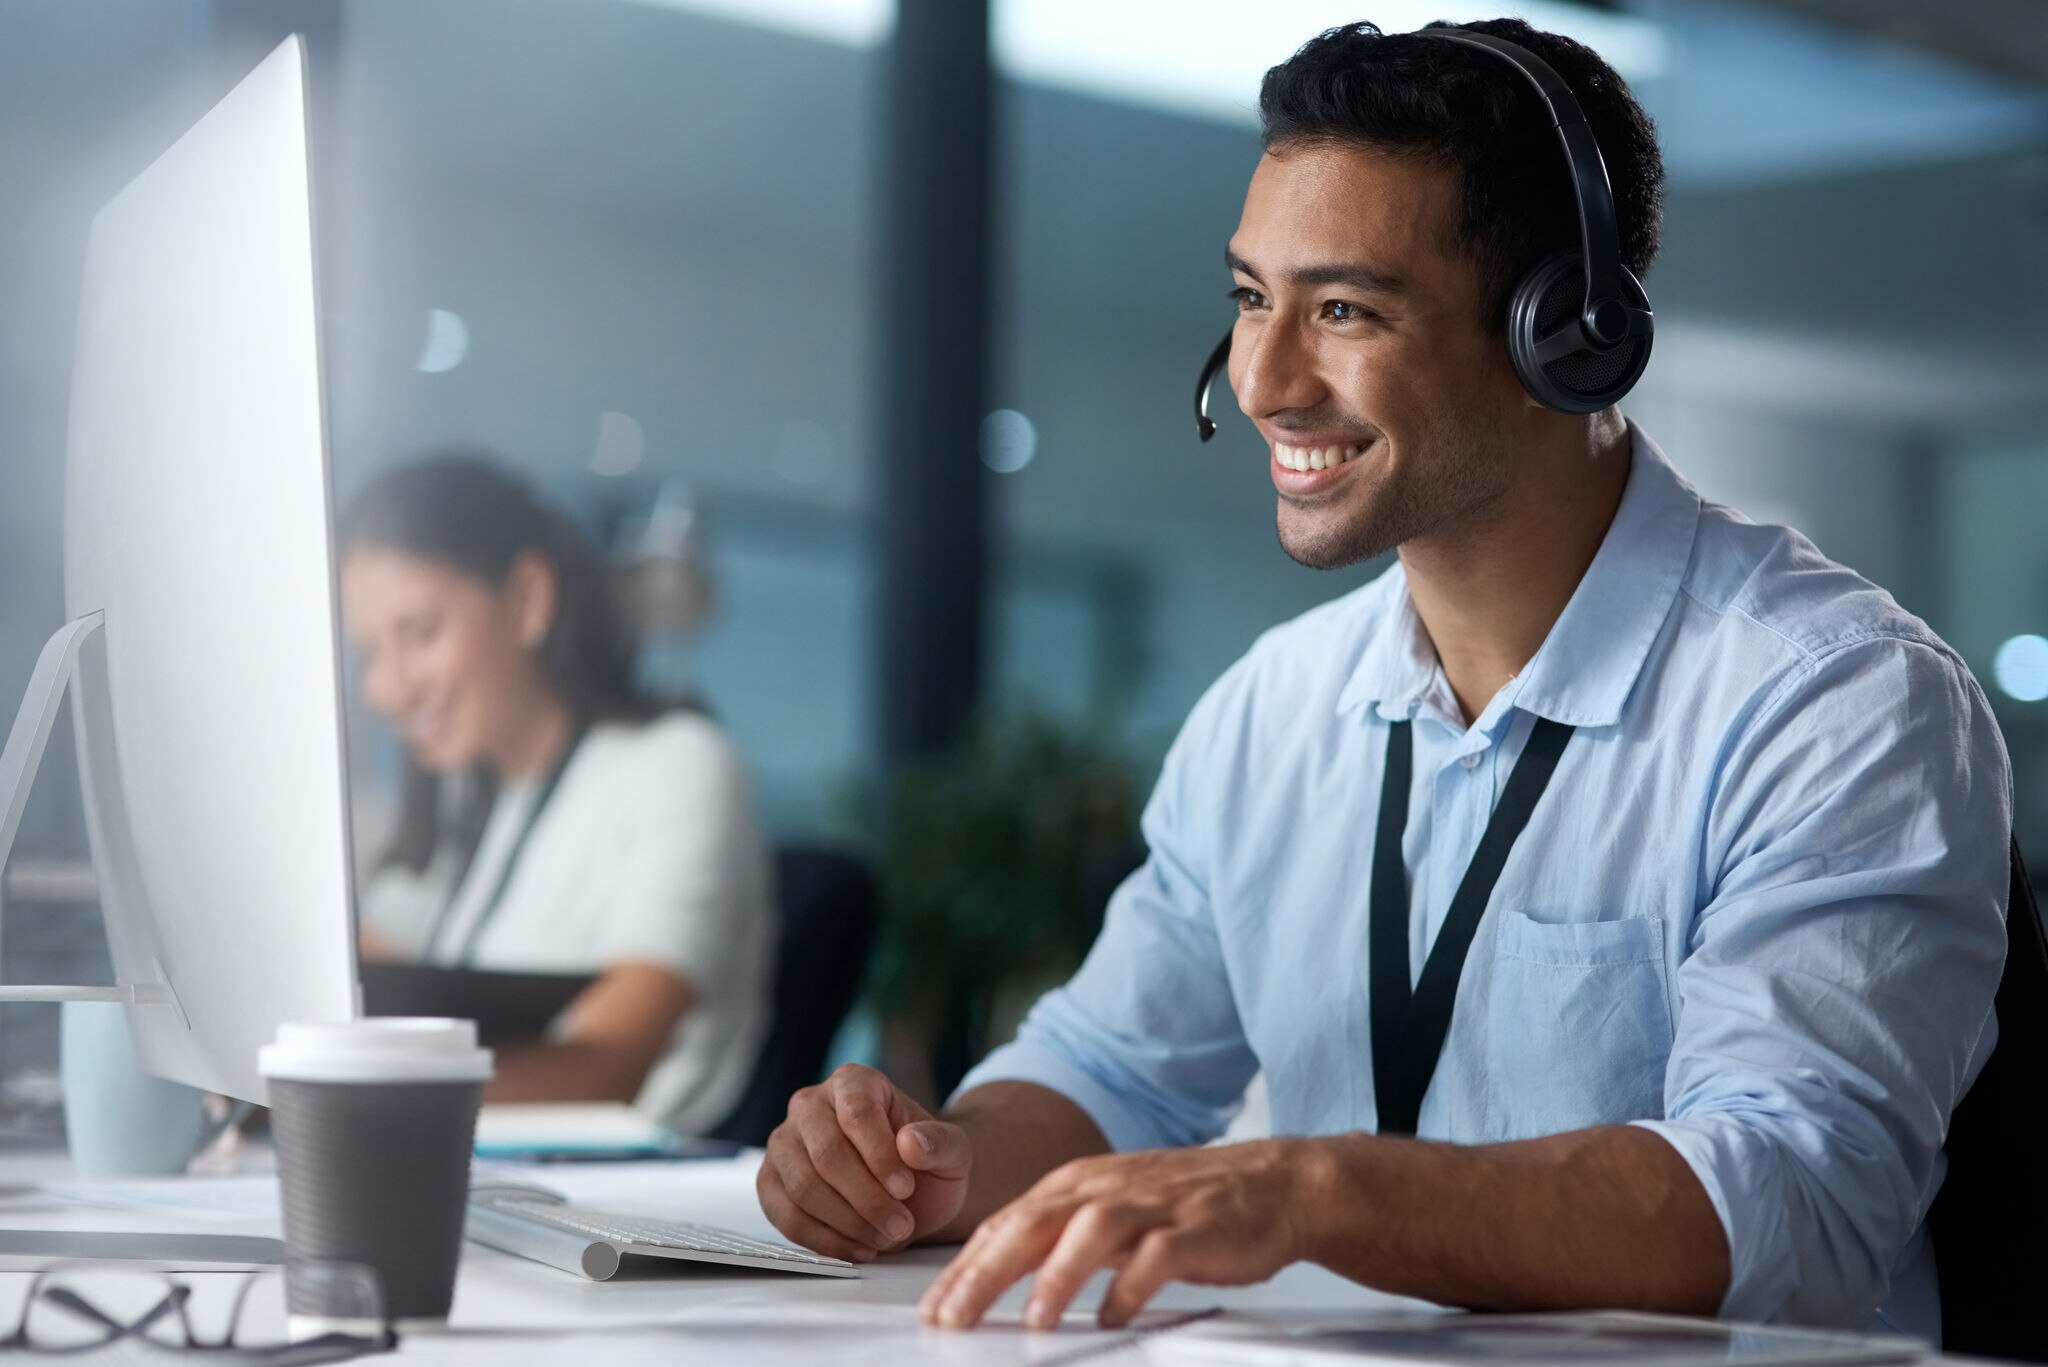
(1608, 1217)
(1020, 1131)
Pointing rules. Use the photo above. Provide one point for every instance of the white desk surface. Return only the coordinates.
(510, 1311)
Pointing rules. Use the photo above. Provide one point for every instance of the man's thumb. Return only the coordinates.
(936, 1147)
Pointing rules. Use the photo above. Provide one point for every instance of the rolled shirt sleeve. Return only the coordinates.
(1146, 1037)
(1834, 1000)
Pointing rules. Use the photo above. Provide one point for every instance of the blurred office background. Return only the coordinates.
(638, 248)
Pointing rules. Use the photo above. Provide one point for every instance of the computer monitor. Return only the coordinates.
(199, 577)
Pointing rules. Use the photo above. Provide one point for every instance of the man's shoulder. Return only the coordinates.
(1773, 588)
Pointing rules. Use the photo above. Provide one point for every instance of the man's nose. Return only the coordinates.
(1272, 369)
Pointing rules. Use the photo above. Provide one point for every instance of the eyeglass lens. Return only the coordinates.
(76, 1309)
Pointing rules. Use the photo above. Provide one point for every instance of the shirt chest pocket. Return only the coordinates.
(1580, 1024)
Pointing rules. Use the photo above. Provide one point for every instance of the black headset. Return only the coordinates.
(1579, 325)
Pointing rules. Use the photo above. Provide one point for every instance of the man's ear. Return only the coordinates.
(533, 592)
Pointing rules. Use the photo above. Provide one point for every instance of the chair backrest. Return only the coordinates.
(1990, 1220)
(830, 909)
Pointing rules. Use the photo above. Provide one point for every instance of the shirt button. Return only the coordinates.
(1470, 761)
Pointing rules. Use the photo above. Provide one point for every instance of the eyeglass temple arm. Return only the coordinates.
(78, 1305)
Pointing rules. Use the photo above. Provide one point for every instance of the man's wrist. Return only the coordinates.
(1320, 1198)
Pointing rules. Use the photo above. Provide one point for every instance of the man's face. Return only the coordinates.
(1359, 348)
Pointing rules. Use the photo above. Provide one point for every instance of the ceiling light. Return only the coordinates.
(447, 343)
(2021, 668)
(621, 445)
(1008, 441)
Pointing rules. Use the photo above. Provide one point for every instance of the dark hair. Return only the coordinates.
(464, 511)
(1469, 111)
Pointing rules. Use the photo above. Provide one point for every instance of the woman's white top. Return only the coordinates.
(648, 851)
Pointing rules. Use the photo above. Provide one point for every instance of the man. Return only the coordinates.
(1736, 971)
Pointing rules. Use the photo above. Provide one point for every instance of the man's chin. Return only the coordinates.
(1326, 543)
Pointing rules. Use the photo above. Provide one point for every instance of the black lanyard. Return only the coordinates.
(490, 907)
(1408, 1029)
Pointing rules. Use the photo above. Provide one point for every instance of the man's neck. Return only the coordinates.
(1489, 591)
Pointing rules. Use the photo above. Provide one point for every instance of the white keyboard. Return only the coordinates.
(592, 1243)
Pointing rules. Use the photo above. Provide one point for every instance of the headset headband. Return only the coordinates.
(1612, 312)
(1605, 310)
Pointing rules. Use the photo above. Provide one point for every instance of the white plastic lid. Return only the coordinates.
(377, 1049)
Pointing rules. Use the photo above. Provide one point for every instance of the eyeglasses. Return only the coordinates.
(76, 1309)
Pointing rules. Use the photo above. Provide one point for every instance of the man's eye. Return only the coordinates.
(1247, 298)
(1343, 311)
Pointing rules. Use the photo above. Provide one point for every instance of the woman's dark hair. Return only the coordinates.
(466, 512)
(1469, 111)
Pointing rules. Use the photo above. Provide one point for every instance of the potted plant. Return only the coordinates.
(995, 859)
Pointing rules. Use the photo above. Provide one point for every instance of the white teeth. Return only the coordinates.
(1305, 458)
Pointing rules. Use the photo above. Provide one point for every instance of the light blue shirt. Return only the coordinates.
(1759, 910)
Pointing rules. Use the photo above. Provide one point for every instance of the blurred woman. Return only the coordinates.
(554, 820)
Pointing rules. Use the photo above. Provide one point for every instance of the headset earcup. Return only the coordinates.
(1585, 381)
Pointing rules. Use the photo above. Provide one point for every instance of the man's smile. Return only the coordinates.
(1311, 468)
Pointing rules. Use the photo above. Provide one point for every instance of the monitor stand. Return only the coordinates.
(29, 1249)
(26, 1250)
(19, 762)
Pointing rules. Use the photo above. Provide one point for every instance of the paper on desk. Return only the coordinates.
(237, 1199)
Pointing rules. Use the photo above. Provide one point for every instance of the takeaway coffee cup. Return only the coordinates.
(374, 1121)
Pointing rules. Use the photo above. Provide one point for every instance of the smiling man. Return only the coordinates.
(1679, 1030)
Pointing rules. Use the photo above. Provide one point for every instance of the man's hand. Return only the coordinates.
(859, 1169)
(1222, 1216)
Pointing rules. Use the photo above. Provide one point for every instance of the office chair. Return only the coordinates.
(1990, 1220)
(830, 910)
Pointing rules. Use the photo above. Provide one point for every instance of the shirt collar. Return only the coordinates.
(1587, 665)
(1398, 665)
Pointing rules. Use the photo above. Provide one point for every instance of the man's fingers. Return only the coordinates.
(843, 1169)
(863, 1106)
(1008, 1245)
(1098, 1236)
(815, 1196)
(1155, 1263)
(936, 1147)
(801, 1228)
(942, 1285)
